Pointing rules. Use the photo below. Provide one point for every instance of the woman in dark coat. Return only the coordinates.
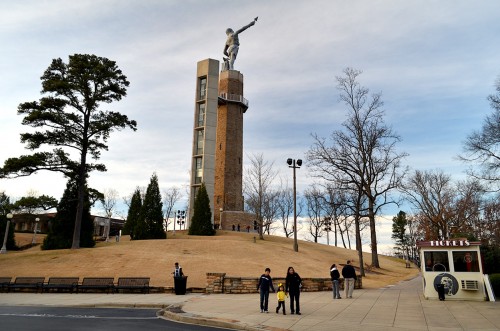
(293, 283)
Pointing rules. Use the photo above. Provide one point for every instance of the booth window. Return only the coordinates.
(465, 261)
(436, 261)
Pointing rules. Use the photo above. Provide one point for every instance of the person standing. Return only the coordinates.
(335, 275)
(265, 282)
(177, 270)
(179, 280)
(349, 275)
(293, 283)
(281, 299)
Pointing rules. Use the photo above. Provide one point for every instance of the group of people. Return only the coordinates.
(349, 274)
(293, 285)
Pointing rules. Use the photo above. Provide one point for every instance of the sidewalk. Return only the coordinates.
(400, 307)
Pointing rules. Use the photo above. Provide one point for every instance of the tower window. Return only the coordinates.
(202, 88)
(201, 114)
(199, 142)
(198, 176)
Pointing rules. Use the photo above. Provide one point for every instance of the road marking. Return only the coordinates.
(79, 316)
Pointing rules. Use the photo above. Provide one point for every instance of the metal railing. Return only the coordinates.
(234, 98)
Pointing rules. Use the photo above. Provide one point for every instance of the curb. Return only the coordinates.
(175, 313)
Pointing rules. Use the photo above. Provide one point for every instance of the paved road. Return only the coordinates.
(76, 319)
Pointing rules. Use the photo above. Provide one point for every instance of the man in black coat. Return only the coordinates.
(349, 275)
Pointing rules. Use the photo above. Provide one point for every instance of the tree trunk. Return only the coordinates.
(373, 235)
(79, 211)
(360, 251)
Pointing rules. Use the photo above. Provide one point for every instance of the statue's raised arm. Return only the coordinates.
(233, 44)
(247, 26)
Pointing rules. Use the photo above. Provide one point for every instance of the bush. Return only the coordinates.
(495, 284)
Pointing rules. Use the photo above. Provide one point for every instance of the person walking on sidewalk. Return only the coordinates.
(335, 275)
(349, 275)
(281, 298)
(265, 282)
(293, 284)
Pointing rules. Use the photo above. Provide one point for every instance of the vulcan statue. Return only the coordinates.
(233, 44)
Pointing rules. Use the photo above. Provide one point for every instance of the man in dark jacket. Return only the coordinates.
(293, 283)
(265, 282)
(349, 275)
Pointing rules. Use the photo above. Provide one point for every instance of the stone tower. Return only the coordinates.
(228, 185)
(217, 150)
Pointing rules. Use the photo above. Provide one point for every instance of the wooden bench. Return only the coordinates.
(133, 283)
(4, 283)
(62, 283)
(27, 283)
(97, 283)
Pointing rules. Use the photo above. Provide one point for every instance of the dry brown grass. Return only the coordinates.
(234, 253)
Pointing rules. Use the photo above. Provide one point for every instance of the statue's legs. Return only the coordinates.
(232, 57)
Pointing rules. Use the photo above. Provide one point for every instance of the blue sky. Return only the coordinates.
(435, 63)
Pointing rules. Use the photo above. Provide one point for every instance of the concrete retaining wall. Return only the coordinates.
(220, 283)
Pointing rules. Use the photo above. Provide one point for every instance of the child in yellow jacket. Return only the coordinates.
(281, 298)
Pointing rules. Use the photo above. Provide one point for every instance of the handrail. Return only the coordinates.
(234, 97)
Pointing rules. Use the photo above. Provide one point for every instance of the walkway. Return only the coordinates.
(400, 307)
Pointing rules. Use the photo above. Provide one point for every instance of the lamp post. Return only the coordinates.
(220, 217)
(34, 231)
(294, 164)
(327, 222)
(181, 215)
(4, 246)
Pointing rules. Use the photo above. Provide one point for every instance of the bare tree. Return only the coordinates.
(483, 147)
(258, 186)
(285, 210)
(335, 206)
(314, 202)
(108, 202)
(431, 193)
(362, 157)
(171, 196)
(490, 229)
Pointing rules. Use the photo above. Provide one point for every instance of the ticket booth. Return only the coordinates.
(454, 265)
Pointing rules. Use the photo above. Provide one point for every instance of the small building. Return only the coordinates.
(455, 264)
(105, 227)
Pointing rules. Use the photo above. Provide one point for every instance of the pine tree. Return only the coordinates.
(152, 211)
(399, 235)
(201, 222)
(134, 215)
(61, 230)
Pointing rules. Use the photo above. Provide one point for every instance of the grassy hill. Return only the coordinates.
(234, 253)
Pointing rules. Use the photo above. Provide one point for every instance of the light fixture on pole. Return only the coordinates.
(181, 215)
(295, 164)
(34, 231)
(327, 222)
(4, 246)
